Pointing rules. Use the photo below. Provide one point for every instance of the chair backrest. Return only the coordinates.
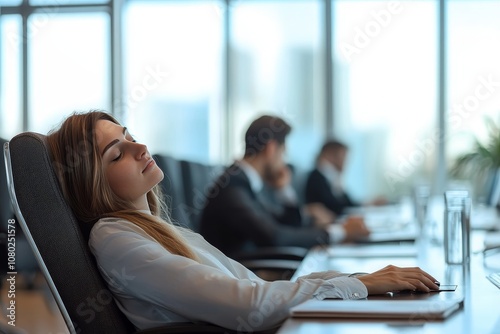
(299, 180)
(173, 189)
(197, 179)
(57, 240)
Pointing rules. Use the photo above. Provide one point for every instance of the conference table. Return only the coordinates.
(480, 306)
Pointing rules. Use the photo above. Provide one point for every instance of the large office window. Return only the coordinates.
(64, 2)
(9, 3)
(473, 81)
(473, 58)
(69, 67)
(10, 75)
(385, 81)
(173, 57)
(180, 97)
(277, 68)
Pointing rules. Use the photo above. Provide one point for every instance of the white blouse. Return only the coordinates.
(154, 287)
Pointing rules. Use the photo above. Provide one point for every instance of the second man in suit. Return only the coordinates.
(325, 185)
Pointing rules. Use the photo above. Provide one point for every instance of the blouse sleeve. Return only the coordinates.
(201, 292)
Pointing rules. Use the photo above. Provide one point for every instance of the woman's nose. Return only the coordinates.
(141, 150)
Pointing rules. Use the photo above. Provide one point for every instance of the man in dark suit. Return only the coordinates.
(324, 184)
(238, 217)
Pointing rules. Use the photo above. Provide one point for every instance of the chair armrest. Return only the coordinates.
(277, 265)
(272, 253)
(272, 270)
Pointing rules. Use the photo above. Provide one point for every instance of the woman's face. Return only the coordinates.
(129, 168)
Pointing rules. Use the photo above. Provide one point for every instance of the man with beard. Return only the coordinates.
(239, 217)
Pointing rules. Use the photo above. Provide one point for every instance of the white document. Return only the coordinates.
(377, 309)
(389, 225)
(407, 235)
(377, 251)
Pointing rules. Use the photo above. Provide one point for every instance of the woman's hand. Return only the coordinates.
(392, 278)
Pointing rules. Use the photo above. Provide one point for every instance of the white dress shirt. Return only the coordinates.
(256, 182)
(286, 195)
(154, 287)
(333, 176)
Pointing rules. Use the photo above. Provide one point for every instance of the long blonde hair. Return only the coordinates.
(78, 166)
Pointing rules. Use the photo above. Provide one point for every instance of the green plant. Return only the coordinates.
(483, 159)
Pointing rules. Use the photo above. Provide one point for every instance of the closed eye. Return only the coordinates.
(118, 157)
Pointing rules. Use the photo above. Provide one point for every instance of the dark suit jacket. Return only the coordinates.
(318, 190)
(235, 220)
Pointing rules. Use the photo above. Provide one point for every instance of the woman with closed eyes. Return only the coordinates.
(160, 273)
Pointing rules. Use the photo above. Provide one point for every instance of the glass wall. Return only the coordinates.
(9, 3)
(193, 74)
(473, 59)
(385, 79)
(277, 67)
(173, 77)
(10, 76)
(69, 67)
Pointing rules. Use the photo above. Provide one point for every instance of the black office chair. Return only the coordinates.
(25, 260)
(185, 185)
(173, 189)
(5, 214)
(61, 248)
(196, 178)
(299, 180)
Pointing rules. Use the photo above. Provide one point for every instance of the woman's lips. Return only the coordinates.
(149, 165)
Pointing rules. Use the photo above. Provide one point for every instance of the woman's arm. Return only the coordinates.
(204, 292)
